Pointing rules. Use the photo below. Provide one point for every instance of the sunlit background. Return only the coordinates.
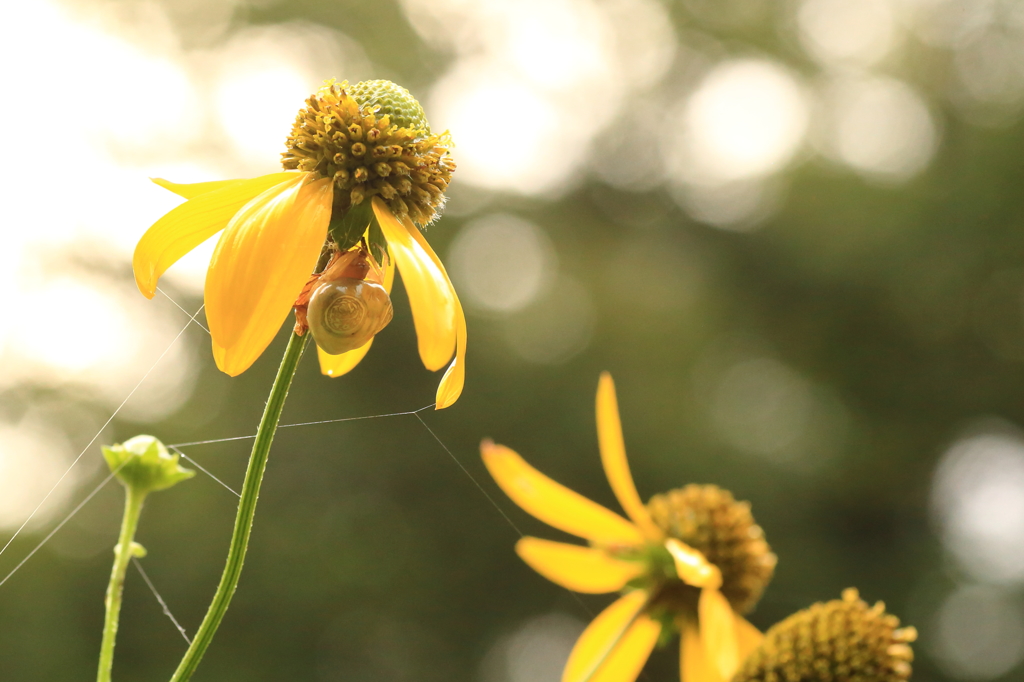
(793, 230)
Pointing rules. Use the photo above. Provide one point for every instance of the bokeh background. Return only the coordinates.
(793, 231)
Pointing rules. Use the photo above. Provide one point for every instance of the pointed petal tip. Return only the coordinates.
(492, 452)
(454, 379)
(188, 225)
(231, 364)
(226, 362)
(147, 289)
(145, 272)
(334, 366)
(448, 392)
(553, 503)
(614, 461)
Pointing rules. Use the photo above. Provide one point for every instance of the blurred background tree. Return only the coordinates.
(793, 231)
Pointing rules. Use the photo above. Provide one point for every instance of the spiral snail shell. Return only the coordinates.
(345, 313)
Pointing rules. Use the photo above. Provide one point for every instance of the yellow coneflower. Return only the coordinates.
(362, 171)
(691, 561)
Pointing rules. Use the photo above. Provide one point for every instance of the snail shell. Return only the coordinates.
(345, 313)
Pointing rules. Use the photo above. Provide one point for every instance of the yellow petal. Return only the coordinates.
(193, 189)
(261, 262)
(189, 225)
(693, 664)
(553, 503)
(454, 379)
(337, 365)
(613, 458)
(718, 632)
(748, 637)
(580, 569)
(218, 353)
(343, 363)
(615, 646)
(692, 567)
(431, 295)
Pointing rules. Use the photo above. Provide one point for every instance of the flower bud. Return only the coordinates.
(143, 464)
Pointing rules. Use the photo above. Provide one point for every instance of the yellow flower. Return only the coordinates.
(668, 583)
(362, 168)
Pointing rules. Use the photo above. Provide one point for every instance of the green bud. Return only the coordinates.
(143, 464)
(135, 550)
(387, 98)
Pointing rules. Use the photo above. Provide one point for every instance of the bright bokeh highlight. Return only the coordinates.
(549, 75)
(501, 262)
(847, 31)
(747, 118)
(978, 503)
(881, 128)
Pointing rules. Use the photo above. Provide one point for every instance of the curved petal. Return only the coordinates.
(613, 458)
(343, 363)
(692, 567)
(615, 645)
(189, 225)
(576, 568)
(454, 379)
(553, 503)
(260, 264)
(431, 295)
(693, 664)
(336, 365)
(718, 632)
(748, 637)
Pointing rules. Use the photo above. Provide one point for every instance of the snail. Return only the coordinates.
(346, 312)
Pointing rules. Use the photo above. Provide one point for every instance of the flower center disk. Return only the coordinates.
(372, 139)
(711, 520)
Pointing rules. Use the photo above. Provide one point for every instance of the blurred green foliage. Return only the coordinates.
(375, 557)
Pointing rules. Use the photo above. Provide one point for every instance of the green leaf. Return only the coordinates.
(378, 244)
(144, 464)
(348, 228)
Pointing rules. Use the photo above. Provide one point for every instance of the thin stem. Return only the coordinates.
(122, 555)
(246, 510)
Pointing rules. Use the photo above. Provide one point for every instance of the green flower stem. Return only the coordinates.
(246, 510)
(122, 555)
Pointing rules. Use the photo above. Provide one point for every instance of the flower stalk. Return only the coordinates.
(142, 464)
(246, 510)
(123, 552)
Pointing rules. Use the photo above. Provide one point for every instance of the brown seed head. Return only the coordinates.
(710, 519)
(843, 640)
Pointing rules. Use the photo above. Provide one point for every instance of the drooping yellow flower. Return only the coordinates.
(362, 171)
(690, 561)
